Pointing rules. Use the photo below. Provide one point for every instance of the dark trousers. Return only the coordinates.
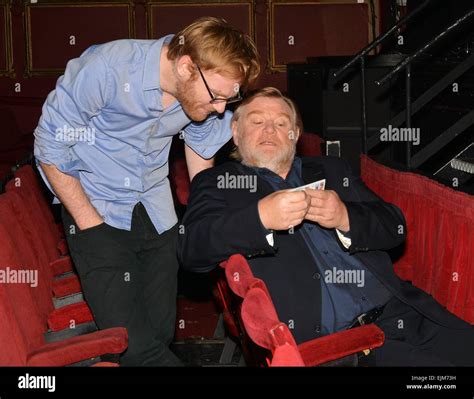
(129, 279)
(411, 339)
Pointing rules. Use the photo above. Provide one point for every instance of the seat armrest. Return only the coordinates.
(74, 350)
(341, 344)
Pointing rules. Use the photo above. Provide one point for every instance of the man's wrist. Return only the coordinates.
(89, 224)
(261, 214)
(86, 220)
(344, 227)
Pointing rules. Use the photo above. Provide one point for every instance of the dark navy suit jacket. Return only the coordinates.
(220, 222)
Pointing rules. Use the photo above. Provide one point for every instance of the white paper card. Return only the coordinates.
(317, 185)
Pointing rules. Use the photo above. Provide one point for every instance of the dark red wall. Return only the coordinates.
(36, 40)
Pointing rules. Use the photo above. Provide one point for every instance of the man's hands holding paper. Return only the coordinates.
(284, 209)
(327, 209)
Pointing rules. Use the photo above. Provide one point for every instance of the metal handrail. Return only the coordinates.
(427, 96)
(381, 38)
(426, 47)
(361, 58)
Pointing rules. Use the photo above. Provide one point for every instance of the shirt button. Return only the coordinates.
(316, 276)
(317, 329)
(364, 298)
(325, 252)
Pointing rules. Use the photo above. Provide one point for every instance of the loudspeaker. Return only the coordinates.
(331, 107)
(304, 83)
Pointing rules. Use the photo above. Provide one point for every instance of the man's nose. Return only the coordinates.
(219, 107)
(269, 127)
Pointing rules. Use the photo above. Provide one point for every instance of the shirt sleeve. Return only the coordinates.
(345, 240)
(270, 239)
(207, 137)
(80, 94)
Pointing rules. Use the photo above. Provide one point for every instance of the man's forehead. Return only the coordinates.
(261, 112)
(271, 103)
(276, 105)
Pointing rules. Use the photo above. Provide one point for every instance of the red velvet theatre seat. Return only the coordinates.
(261, 326)
(309, 145)
(23, 321)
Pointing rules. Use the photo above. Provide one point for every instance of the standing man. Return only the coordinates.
(102, 145)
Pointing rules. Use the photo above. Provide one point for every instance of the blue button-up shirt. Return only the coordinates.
(105, 125)
(342, 299)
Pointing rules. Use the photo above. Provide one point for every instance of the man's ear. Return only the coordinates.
(234, 127)
(185, 67)
(294, 134)
(298, 132)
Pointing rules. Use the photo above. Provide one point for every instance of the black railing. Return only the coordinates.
(407, 61)
(361, 56)
(426, 97)
(451, 133)
(406, 64)
(378, 40)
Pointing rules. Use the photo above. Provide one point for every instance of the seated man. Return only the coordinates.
(320, 252)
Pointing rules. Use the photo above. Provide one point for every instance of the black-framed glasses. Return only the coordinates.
(219, 100)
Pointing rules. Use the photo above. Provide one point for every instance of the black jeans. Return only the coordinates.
(411, 339)
(129, 279)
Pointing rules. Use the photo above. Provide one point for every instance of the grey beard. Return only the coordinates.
(276, 166)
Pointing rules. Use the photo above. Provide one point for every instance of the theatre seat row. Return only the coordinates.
(256, 321)
(44, 320)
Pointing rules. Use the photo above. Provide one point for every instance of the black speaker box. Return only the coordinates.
(331, 107)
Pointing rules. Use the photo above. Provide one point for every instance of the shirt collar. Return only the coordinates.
(295, 170)
(151, 74)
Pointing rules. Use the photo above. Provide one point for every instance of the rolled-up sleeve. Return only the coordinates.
(206, 138)
(80, 94)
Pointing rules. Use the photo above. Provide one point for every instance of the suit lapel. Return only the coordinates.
(311, 171)
(263, 188)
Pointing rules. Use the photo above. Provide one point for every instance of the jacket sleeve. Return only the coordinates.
(213, 229)
(374, 223)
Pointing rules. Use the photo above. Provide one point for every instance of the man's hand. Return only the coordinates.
(327, 210)
(71, 194)
(283, 209)
(87, 222)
